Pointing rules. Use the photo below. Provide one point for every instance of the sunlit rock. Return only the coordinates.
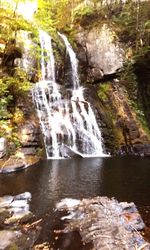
(104, 222)
(16, 229)
(24, 196)
(67, 203)
(7, 238)
(5, 201)
(103, 53)
(21, 216)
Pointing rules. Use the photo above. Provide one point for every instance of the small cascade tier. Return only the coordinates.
(67, 121)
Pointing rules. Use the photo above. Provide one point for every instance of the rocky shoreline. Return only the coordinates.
(18, 228)
(15, 163)
(106, 223)
(101, 222)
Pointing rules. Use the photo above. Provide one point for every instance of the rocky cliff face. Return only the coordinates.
(99, 52)
(101, 57)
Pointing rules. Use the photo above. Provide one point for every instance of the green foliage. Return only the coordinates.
(11, 23)
(133, 24)
(129, 80)
(140, 115)
(103, 91)
(44, 16)
(12, 88)
(5, 98)
(81, 12)
(54, 14)
(14, 138)
(18, 83)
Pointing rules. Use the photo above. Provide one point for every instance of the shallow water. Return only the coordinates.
(125, 178)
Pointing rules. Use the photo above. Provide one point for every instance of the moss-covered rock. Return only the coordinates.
(130, 135)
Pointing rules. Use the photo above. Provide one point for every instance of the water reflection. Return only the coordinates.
(126, 179)
(123, 178)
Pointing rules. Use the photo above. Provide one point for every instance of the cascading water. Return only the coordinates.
(68, 125)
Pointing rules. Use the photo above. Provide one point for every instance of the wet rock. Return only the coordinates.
(12, 168)
(68, 152)
(18, 162)
(28, 150)
(104, 222)
(15, 230)
(142, 72)
(121, 130)
(24, 196)
(8, 239)
(5, 201)
(4, 214)
(19, 240)
(20, 204)
(29, 135)
(19, 216)
(142, 150)
(15, 209)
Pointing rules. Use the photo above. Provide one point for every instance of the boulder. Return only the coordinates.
(21, 216)
(29, 136)
(100, 52)
(104, 222)
(10, 239)
(7, 239)
(14, 214)
(68, 152)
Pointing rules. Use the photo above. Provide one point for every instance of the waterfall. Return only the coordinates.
(68, 124)
(73, 60)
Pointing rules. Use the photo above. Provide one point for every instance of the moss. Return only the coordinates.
(113, 134)
(103, 91)
(13, 247)
(139, 112)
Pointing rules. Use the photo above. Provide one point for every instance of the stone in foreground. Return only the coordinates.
(104, 222)
(17, 229)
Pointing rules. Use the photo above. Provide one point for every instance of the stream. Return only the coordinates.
(125, 178)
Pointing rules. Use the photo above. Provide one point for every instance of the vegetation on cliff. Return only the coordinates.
(130, 22)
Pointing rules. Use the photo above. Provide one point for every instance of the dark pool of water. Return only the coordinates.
(126, 179)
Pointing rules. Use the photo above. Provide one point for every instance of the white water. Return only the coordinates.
(73, 61)
(68, 125)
